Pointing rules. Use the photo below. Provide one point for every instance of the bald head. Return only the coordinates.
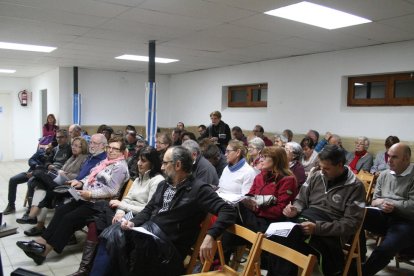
(399, 157)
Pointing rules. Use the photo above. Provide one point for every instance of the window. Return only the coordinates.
(251, 95)
(389, 89)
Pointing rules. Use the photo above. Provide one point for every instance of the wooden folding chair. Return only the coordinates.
(352, 251)
(248, 235)
(305, 263)
(196, 248)
(368, 180)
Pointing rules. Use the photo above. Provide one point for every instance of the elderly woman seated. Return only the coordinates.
(103, 183)
(255, 148)
(140, 193)
(294, 154)
(360, 159)
(310, 156)
(280, 140)
(381, 159)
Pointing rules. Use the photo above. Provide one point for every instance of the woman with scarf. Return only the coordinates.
(238, 175)
(102, 184)
(360, 159)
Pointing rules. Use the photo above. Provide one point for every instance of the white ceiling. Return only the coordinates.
(202, 34)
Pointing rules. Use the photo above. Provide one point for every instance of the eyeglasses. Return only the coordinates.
(95, 143)
(60, 137)
(108, 148)
(229, 150)
(166, 162)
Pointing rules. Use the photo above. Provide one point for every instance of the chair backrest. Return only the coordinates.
(305, 263)
(125, 188)
(352, 251)
(205, 225)
(246, 234)
(368, 180)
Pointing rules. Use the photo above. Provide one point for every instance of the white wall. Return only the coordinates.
(108, 97)
(22, 123)
(304, 92)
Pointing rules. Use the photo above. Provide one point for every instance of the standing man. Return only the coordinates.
(218, 131)
(329, 209)
(394, 196)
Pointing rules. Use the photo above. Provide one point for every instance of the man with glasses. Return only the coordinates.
(174, 214)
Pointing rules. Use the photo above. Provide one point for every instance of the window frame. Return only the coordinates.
(249, 89)
(389, 96)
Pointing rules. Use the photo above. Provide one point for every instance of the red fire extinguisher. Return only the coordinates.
(23, 97)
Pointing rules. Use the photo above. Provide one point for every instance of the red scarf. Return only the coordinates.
(358, 155)
(101, 166)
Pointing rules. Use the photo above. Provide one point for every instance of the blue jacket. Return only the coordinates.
(89, 164)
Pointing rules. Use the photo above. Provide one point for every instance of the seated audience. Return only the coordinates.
(140, 193)
(174, 214)
(280, 140)
(322, 143)
(163, 143)
(132, 160)
(101, 184)
(96, 154)
(129, 128)
(329, 209)
(218, 131)
(108, 132)
(176, 137)
(314, 135)
(360, 159)
(74, 130)
(48, 132)
(202, 169)
(101, 128)
(237, 178)
(213, 154)
(394, 220)
(180, 125)
(288, 134)
(294, 154)
(258, 131)
(186, 135)
(44, 181)
(131, 142)
(201, 129)
(381, 159)
(255, 148)
(310, 156)
(237, 133)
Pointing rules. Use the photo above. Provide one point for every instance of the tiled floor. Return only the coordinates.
(12, 256)
(67, 262)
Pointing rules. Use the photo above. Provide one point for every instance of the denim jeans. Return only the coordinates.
(13, 182)
(398, 235)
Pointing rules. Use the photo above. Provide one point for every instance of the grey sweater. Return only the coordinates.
(398, 190)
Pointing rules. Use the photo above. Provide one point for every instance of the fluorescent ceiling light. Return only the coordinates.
(7, 71)
(145, 58)
(26, 47)
(317, 15)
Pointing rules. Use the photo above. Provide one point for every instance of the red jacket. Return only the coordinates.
(284, 188)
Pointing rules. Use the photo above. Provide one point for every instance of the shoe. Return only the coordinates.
(31, 246)
(72, 240)
(38, 259)
(26, 220)
(10, 209)
(34, 231)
